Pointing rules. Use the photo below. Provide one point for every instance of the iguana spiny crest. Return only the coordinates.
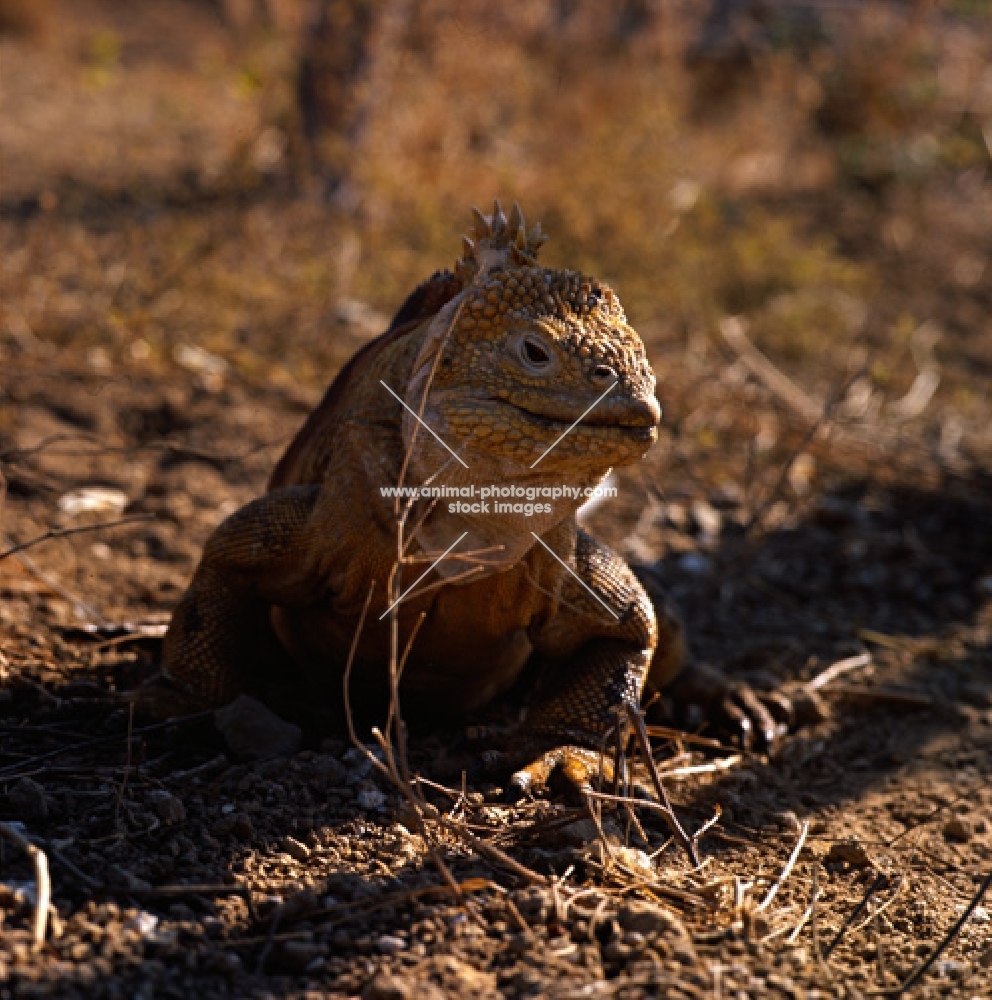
(524, 351)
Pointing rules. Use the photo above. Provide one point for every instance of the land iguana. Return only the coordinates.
(503, 372)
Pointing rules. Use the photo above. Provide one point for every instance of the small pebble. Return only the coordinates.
(634, 940)
(676, 516)
(648, 919)
(706, 518)
(848, 852)
(27, 799)
(298, 955)
(254, 732)
(370, 798)
(390, 944)
(143, 922)
(387, 987)
(579, 832)
(616, 951)
(295, 849)
(950, 967)
(694, 564)
(957, 830)
(787, 820)
(227, 963)
(169, 809)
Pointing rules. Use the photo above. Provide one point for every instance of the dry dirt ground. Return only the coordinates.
(167, 323)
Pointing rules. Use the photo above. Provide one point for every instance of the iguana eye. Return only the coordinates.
(603, 375)
(533, 354)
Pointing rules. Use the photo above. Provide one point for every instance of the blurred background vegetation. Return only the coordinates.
(265, 180)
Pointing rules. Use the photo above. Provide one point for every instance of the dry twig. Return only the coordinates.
(689, 846)
(711, 767)
(175, 891)
(924, 967)
(732, 330)
(894, 696)
(78, 530)
(835, 670)
(814, 894)
(819, 415)
(11, 771)
(823, 422)
(876, 911)
(881, 880)
(388, 767)
(43, 884)
(786, 871)
(127, 767)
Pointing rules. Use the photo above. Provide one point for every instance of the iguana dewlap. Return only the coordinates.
(499, 359)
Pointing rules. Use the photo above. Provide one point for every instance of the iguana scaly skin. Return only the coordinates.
(499, 358)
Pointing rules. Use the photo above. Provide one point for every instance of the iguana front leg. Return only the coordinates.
(729, 705)
(600, 643)
(256, 558)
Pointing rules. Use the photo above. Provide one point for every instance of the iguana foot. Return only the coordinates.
(579, 767)
(579, 771)
(757, 719)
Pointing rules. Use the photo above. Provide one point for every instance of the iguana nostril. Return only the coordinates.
(639, 412)
(603, 375)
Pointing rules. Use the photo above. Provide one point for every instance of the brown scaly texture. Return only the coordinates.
(500, 358)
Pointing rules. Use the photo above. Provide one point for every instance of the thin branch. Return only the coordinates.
(895, 696)
(391, 719)
(13, 454)
(877, 910)
(630, 803)
(818, 415)
(711, 822)
(81, 608)
(713, 767)
(173, 447)
(492, 852)
(881, 881)
(879, 948)
(689, 846)
(838, 669)
(346, 679)
(924, 967)
(732, 330)
(10, 771)
(43, 884)
(678, 736)
(389, 770)
(807, 913)
(80, 529)
(814, 923)
(127, 767)
(174, 891)
(824, 421)
(438, 584)
(786, 871)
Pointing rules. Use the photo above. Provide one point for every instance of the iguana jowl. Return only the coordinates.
(499, 358)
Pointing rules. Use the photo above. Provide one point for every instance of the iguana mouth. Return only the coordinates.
(638, 424)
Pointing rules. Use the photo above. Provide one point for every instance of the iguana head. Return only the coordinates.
(528, 351)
